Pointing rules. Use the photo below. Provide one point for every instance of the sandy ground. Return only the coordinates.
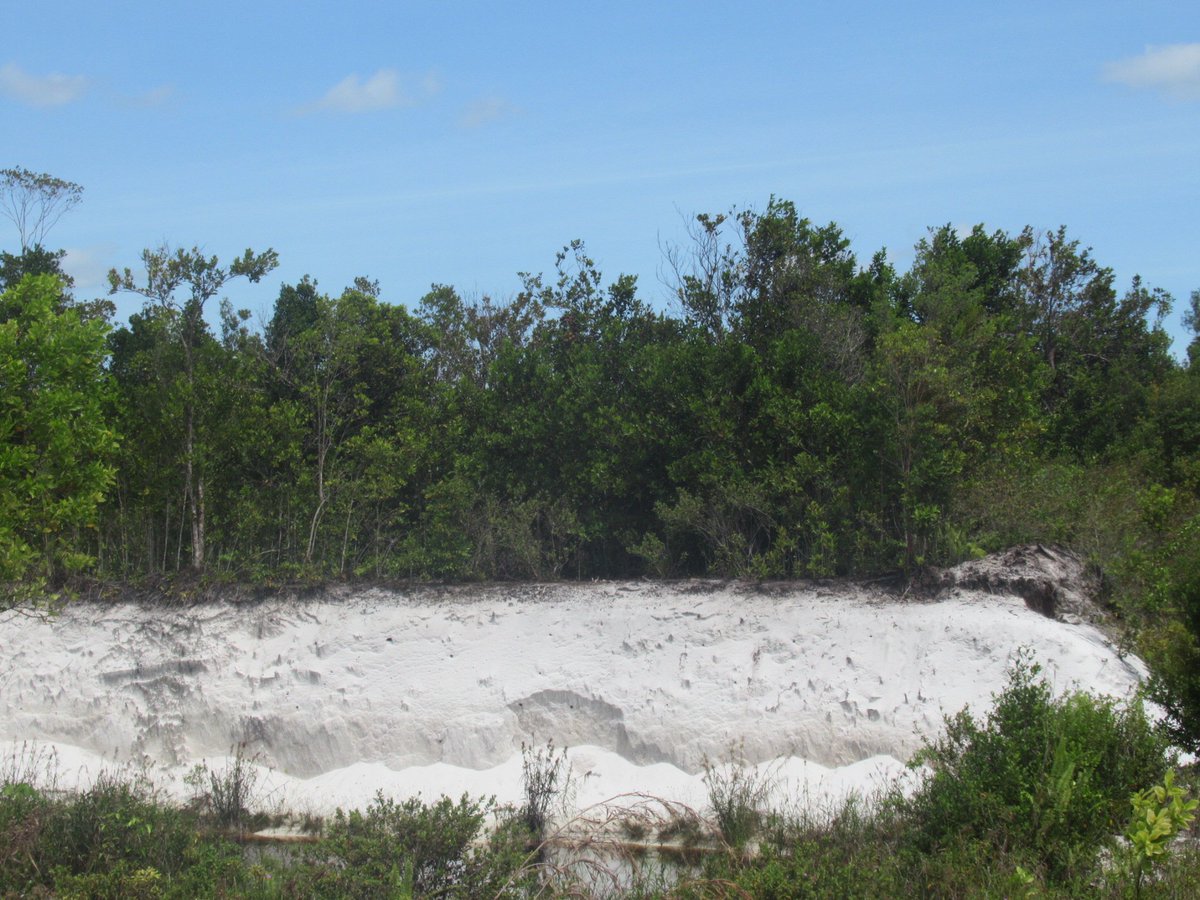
(825, 688)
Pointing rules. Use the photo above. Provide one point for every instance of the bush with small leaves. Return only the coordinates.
(409, 849)
(1051, 776)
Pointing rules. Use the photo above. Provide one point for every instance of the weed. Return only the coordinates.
(684, 828)
(634, 829)
(545, 776)
(737, 794)
(32, 764)
(226, 795)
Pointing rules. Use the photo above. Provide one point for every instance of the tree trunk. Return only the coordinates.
(194, 486)
(198, 527)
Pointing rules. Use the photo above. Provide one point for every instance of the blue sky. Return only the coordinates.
(460, 143)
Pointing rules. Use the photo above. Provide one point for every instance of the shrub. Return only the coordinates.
(409, 849)
(116, 839)
(1159, 814)
(23, 814)
(1172, 647)
(846, 851)
(1048, 776)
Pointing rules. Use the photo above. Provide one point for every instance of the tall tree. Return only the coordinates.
(1191, 318)
(55, 444)
(1103, 350)
(466, 337)
(178, 283)
(34, 202)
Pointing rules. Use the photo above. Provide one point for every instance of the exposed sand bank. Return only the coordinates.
(434, 690)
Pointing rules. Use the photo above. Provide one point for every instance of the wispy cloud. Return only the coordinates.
(383, 90)
(40, 90)
(159, 96)
(1173, 69)
(486, 110)
(89, 267)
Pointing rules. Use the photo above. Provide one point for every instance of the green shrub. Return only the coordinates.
(1171, 646)
(849, 852)
(116, 821)
(23, 814)
(217, 867)
(409, 849)
(1048, 776)
(1159, 814)
(120, 882)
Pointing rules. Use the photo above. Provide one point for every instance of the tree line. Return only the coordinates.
(796, 414)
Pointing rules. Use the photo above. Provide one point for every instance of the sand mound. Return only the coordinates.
(436, 689)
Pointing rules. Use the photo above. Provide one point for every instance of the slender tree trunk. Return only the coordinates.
(321, 499)
(198, 527)
(179, 540)
(194, 489)
(194, 481)
(323, 444)
(346, 538)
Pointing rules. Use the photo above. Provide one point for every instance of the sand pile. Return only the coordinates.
(829, 686)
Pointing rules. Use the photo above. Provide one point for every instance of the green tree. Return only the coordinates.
(350, 386)
(34, 204)
(55, 444)
(178, 284)
(32, 261)
(1103, 350)
(466, 337)
(1191, 319)
(707, 274)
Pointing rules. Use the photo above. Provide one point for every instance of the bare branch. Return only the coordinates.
(35, 202)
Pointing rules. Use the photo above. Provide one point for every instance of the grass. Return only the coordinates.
(118, 840)
(227, 796)
(737, 796)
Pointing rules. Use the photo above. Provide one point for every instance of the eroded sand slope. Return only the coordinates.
(436, 689)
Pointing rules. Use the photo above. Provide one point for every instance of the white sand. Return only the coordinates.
(827, 688)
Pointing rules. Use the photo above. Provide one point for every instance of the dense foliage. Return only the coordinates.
(56, 443)
(798, 414)
(1051, 776)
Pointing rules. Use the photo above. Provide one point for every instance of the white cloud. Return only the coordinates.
(89, 267)
(1174, 69)
(485, 110)
(45, 90)
(159, 96)
(431, 83)
(383, 90)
